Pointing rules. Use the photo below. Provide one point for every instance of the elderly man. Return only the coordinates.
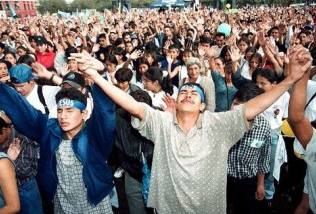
(191, 146)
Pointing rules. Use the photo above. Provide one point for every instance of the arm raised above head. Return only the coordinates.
(120, 97)
(300, 62)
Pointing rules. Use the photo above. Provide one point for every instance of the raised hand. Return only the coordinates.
(14, 149)
(171, 104)
(234, 54)
(136, 54)
(40, 71)
(211, 51)
(300, 61)
(261, 38)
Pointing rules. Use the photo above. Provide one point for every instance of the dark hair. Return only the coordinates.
(26, 59)
(24, 48)
(156, 74)
(2, 46)
(257, 56)
(10, 52)
(102, 35)
(71, 93)
(140, 61)
(251, 49)
(219, 34)
(70, 50)
(111, 58)
(269, 74)
(121, 52)
(118, 42)
(271, 29)
(8, 64)
(123, 74)
(142, 96)
(125, 34)
(247, 92)
(204, 39)
(224, 51)
(3, 124)
(244, 39)
(153, 55)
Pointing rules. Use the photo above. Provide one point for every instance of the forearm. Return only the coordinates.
(119, 97)
(260, 179)
(298, 122)
(260, 103)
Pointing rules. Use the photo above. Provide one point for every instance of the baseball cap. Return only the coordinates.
(40, 40)
(74, 79)
(20, 74)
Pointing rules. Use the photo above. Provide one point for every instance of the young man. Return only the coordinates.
(191, 148)
(306, 135)
(73, 168)
(248, 159)
(41, 97)
(25, 155)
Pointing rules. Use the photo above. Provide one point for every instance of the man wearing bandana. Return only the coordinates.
(189, 166)
(73, 168)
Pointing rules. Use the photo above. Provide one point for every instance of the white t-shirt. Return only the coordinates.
(277, 111)
(49, 93)
(309, 156)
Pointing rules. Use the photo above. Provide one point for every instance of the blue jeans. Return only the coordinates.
(269, 179)
(30, 198)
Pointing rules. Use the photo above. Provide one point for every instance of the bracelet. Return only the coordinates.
(52, 77)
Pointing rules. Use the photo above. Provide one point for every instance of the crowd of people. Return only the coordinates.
(190, 103)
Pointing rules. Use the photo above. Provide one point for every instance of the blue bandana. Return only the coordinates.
(196, 88)
(71, 103)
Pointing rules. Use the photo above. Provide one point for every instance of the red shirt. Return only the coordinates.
(46, 59)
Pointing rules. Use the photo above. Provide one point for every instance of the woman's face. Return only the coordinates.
(3, 70)
(219, 65)
(194, 72)
(148, 84)
(264, 83)
(248, 55)
(129, 47)
(254, 63)
(110, 66)
(242, 45)
(142, 68)
(149, 58)
(10, 58)
(186, 56)
(21, 51)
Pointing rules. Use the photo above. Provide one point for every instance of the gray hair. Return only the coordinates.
(193, 61)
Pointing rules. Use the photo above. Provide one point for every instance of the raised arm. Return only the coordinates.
(117, 95)
(298, 121)
(300, 62)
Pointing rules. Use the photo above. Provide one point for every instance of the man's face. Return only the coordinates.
(127, 38)
(25, 88)
(220, 41)
(167, 32)
(189, 100)
(70, 119)
(102, 42)
(41, 48)
(207, 34)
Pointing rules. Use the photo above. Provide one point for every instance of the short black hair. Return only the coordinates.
(247, 92)
(142, 96)
(123, 74)
(71, 93)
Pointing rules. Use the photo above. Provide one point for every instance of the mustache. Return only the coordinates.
(187, 100)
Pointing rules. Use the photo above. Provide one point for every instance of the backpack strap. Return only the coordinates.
(310, 100)
(41, 98)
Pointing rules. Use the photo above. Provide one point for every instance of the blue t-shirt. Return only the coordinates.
(224, 94)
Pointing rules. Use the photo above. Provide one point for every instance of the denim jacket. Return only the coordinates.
(92, 145)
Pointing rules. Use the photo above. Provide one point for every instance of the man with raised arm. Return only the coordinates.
(306, 135)
(191, 146)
